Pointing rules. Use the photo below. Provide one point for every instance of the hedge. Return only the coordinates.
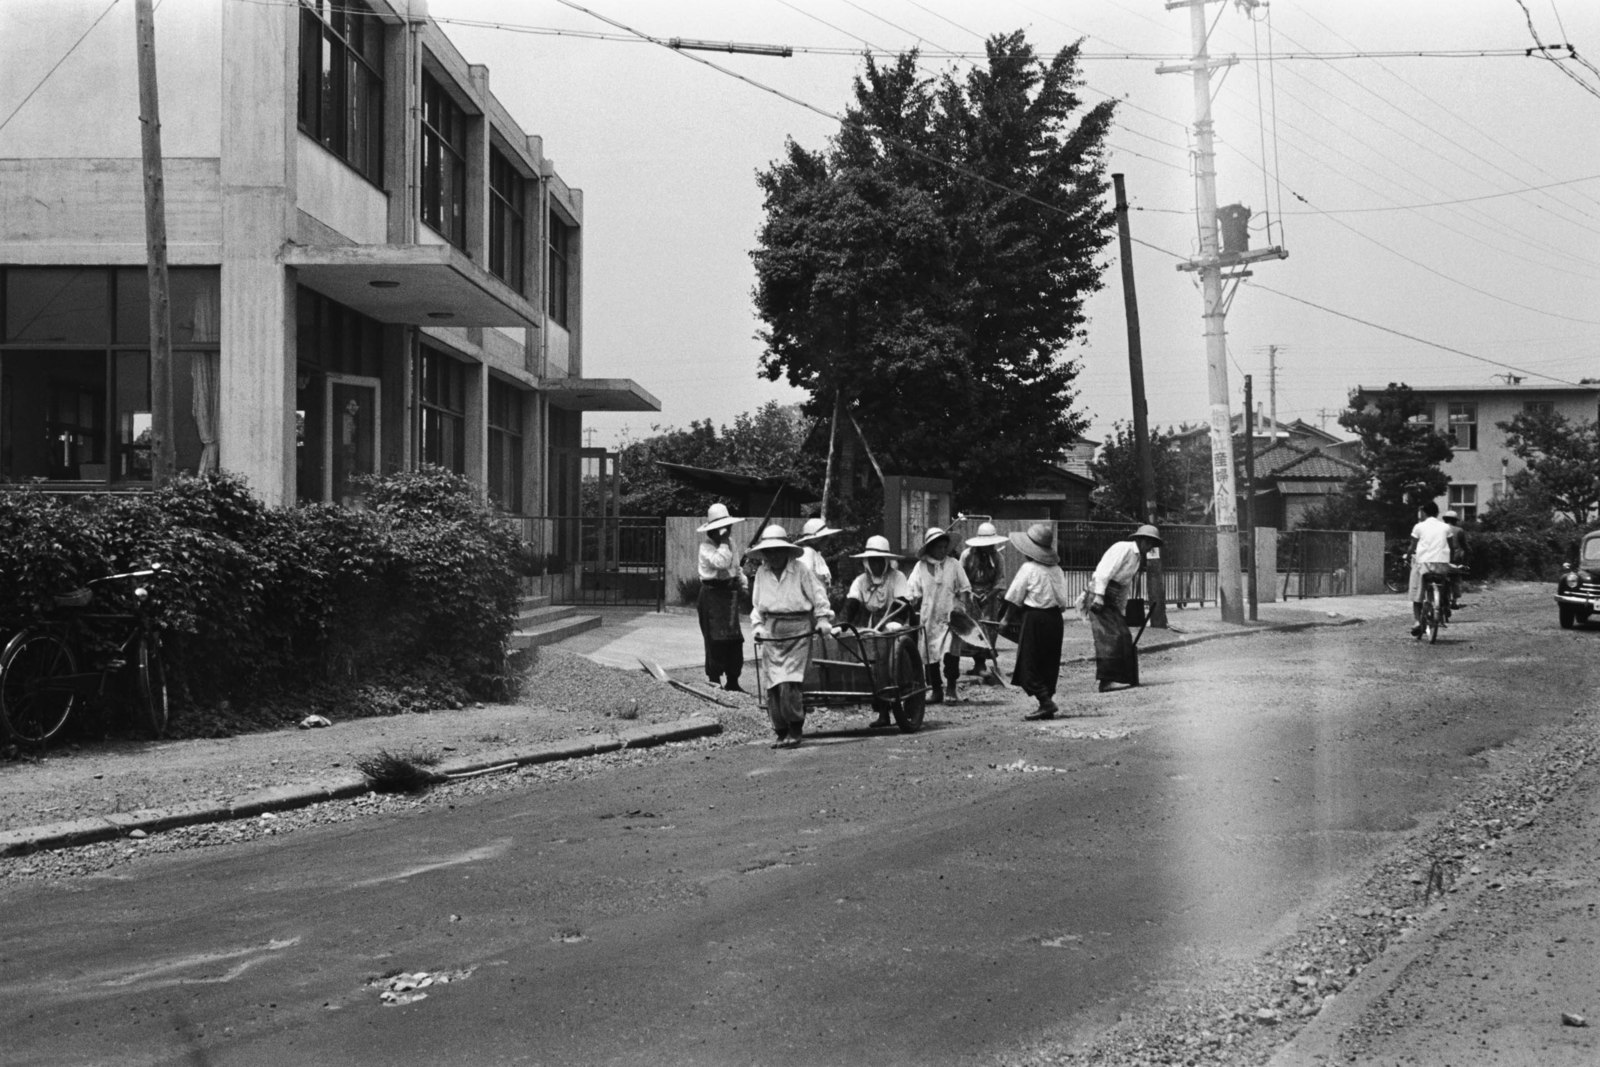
(416, 592)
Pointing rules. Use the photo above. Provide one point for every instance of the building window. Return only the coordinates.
(557, 297)
(505, 446)
(1463, 500)
(444, 163)
(1463, 428)
(75, 373)
(341, 81)
(506, 247)
(1538, 407)
(1425, 415)
(443, 408)
(332, 342)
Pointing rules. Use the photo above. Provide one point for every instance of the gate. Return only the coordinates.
(1314, 563)
(597, 560)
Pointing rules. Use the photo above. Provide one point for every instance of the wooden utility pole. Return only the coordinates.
(1209, 265)
(162, 457)
(1141, 415)
(1249, 534)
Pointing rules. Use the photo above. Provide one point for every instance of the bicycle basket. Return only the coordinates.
(77, 598)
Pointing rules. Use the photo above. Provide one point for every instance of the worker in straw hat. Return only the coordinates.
(1104, 605)
(812, 535)
(786, 608)
(937, 586)
(721, 581)
(986, 571)
(877, 597)
(1036, 600)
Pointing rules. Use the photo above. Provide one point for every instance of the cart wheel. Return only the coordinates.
(908, 710)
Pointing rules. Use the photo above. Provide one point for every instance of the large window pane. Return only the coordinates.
(194, 295)
(57, 306)
(132, 377)
(341, 84)
(52, 415)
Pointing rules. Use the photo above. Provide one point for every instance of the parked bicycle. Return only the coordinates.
(40, 682)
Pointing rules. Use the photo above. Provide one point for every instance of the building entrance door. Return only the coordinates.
(351, 422)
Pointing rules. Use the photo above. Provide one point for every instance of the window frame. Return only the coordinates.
(1456, 500)
(507, 224)
(506, 444)
(558, 290)
(442, 147)
(348, 35)
(434, 415)
(1457, 420)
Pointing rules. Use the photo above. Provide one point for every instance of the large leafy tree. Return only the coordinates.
(926, 271)
(1563, 461)
(1401, 453)
(1182, 477)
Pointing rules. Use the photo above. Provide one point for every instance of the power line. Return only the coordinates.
(1544, 52)
(65, 56)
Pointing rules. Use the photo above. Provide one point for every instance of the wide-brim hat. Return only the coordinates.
(775, 536)
(716, 518)
(934, 533)
(1038, 543)
(1148, 531)
(986, 537)
(815, 530)
(877, 548)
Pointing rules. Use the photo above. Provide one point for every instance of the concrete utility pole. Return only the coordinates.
(1141, 411)
(1250, 497)
(1210, 263)
(162, 456)
(1272, 388)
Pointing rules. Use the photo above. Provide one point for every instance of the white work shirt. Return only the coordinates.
(795, 591)
(1120, 564)
(936, 586)
(876, 594)
(1038, 586)
(1432, 536)
(717, 561)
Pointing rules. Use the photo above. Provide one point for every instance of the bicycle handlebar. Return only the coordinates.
(154, 568)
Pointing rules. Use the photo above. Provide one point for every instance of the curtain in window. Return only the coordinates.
(203, 369)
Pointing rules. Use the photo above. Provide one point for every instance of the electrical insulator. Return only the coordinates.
(1235, 222)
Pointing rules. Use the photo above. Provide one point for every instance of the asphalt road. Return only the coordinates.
(938, 898)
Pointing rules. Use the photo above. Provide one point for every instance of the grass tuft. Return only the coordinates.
(398, 772)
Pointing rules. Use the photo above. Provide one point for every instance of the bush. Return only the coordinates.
(265, 605)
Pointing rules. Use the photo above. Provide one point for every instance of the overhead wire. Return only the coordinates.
(1545, 50)
(57, 65)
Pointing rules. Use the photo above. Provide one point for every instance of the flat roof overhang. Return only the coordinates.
(417, 285)
(598, 394)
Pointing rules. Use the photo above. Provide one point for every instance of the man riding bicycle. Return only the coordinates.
(1458, 555)
(1430, 553)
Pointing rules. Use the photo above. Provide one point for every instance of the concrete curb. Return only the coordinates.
(20, 842)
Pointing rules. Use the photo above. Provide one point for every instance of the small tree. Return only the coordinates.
(1179, 489)
(1563, 461)
(1400, 452)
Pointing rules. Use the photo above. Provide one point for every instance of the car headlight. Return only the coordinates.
(1570, 580)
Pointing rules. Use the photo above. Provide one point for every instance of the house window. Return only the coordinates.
(1463, 428)
(444, 163)
(443, 395)
(1463, 500)
(505, 220)
(557, 296)
(75, 373)
(505, 446)
(341, 81)
(1425, 415)
(1538, 407)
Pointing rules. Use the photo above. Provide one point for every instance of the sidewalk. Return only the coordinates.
(108, 790)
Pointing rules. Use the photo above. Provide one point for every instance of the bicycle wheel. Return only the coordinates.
(152, 694)
(1433, 612)
(34, 705)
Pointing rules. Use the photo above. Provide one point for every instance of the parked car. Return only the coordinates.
(1578, 588)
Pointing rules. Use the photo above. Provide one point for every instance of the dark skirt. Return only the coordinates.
(1039, 652)
(718, 607)
(1115, 657)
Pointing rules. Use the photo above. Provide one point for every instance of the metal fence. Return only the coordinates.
(1188, 558)
(596, 560)
(1315, 563)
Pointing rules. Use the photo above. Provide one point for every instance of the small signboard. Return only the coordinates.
(912, 505)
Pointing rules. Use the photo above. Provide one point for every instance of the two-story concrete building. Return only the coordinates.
(374, 266)
(1469, 415)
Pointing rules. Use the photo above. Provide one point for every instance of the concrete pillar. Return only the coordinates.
(256, 403)
(1266, 564)
(476, 460)
(477, 199)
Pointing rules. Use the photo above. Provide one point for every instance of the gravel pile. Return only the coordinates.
(1240, 1013)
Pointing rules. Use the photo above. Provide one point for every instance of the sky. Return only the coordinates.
(1455, 200)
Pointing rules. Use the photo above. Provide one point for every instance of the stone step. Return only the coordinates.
(539, 614)
(528, 600)
(548, 633)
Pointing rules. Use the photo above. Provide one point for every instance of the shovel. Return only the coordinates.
(964, 627)
(660, 674)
